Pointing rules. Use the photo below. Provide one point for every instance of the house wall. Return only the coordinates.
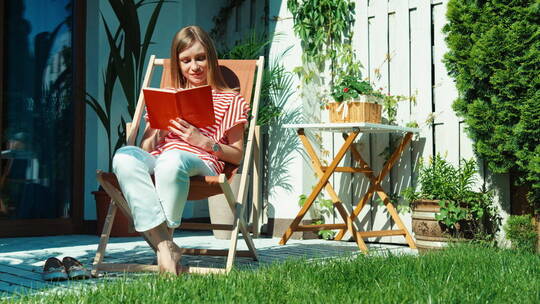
(174, 15)
(401, 46)
(282, 204)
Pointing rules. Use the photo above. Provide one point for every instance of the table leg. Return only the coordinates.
(317, 189)
(369, 174)
(375, 187)
(317, 166)
(395, 216)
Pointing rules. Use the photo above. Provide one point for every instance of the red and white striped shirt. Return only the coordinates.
(230, 109)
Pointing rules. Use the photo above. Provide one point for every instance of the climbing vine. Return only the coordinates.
(325, 30)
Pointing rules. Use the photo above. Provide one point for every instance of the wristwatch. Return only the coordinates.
(215, 148)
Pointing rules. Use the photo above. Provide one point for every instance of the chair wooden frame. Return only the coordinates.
(237, 203)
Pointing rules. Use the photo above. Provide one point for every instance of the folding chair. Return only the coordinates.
(237, 73)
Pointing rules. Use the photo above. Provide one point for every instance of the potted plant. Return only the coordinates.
(355, 101)
(446, 206)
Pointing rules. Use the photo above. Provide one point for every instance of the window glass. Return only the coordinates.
(37, 110)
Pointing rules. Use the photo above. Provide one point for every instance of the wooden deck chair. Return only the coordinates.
(237, 73)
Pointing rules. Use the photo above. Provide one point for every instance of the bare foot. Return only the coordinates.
(168, 256)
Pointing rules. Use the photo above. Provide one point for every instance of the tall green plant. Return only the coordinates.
(494, 56)
(127, 54)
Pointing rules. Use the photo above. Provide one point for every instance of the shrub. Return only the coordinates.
(521, 231)
(494, 56)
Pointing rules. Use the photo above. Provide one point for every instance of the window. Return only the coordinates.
(39, 125)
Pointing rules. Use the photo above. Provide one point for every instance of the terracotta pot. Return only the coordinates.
(358, 111)
(429, 232)
(122, 226)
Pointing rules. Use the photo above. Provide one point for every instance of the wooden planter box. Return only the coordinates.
(357, 112)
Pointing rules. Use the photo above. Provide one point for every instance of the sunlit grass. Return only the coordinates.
(465, 274)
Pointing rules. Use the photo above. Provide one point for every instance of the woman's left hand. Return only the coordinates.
(188, 133)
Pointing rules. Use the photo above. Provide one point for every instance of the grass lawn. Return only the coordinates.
(464, 274)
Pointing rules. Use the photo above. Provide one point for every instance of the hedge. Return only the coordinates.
(494, 57)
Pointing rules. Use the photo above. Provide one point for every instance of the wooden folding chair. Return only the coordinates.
(237, 73)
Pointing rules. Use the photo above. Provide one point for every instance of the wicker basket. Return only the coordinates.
(357, 112)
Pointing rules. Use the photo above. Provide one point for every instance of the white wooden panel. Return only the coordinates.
(420, 50)
(361, 34)
(360, 184)
(444, 93)
(378, 57)
(398, 38)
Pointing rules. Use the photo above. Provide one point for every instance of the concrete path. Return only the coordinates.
(22, 259)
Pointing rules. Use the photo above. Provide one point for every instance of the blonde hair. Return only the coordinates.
(184, 39)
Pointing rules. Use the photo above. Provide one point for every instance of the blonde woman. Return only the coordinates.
(183, 150)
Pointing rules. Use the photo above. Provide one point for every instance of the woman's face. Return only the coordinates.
(194, 64)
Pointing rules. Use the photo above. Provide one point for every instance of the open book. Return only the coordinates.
(193, 105)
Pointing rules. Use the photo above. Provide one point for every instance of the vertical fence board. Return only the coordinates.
(360, 184)
(444, 93)
(379, 77)
(401, 174)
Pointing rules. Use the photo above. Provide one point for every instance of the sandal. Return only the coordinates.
(54, 270)
(75, 270)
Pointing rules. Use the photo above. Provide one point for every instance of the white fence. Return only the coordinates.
(401, 45)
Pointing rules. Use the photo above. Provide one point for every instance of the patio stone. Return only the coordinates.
(22, 259)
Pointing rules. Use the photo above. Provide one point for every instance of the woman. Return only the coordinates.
(182, 151)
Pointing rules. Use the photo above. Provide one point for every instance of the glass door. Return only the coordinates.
(38, 117)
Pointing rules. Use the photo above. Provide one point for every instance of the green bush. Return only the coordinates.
(522, 232)
(494, 56)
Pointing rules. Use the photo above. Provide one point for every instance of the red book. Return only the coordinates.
(193, 105)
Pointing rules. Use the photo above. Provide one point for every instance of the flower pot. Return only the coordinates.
(355, 111)
(429, 232)
(122, 226)
(220, 212)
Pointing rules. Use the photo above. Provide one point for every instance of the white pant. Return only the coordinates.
(152, 205)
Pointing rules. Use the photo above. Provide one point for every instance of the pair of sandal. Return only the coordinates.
(68, 268)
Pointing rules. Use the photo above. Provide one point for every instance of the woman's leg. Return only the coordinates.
(172, 172)
(133, 167)
(168, 253)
